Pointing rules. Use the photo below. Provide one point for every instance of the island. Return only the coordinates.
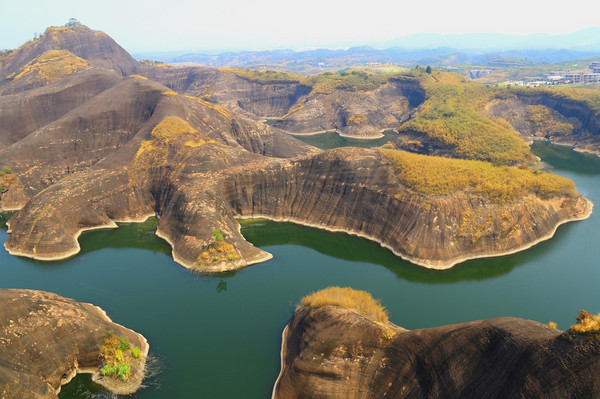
(46, 339)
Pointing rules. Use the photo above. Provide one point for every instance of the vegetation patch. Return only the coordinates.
(452, 116)
(356, 119)
(443, 176)
(214, 107)
(169, 93)
(51, 66)
(119, 356)
(264, 77)
(348, 298)
(355, 80)
(219, 251)
(586, 324)
(547, 123)
(138, 77)
(7, 179)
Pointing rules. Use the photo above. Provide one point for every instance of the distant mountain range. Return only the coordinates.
(433, 49)
(582, 40)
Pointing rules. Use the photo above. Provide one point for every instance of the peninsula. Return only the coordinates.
(91, 137)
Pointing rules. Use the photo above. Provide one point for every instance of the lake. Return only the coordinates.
(219, 336)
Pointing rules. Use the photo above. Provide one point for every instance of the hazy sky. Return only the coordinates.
(152, 25)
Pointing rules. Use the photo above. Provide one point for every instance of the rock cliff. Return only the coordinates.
(94, 147)
(330, 352)
(46, 339)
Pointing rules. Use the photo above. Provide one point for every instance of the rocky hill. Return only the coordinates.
(45, 340)
(93, 147)
(334, 347)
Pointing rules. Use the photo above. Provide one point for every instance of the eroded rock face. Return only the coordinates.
(97, 158)
(586, 125)
(45, 339)
(361, 114)
(336, 353)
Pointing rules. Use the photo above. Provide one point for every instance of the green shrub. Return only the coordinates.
(124, 343)
(136, 352)
(123, 370)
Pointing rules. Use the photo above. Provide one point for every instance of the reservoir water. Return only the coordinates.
(219, 336)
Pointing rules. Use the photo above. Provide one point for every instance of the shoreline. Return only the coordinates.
(281, 358)
(381, 135)
(77, 249)
(434, 265)
(429, 264)
(127, 388)
(235, 266)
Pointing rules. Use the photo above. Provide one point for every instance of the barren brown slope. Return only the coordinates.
(46, 339)
(96, 47)
(195, 185)
(332, 352)
(23, 113)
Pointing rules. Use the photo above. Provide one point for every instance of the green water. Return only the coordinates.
(219, 337)
(329, 140)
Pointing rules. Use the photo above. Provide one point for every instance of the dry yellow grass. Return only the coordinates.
(356, 119)
(169, 93)
(218, 252)
(172, 126)
(214, 107)
(138, 77)
(442, 176)
(348, 298)
(586, 324)
(52, 65)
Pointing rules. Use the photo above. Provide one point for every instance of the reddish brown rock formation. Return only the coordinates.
(45, 339)
(336, 353)
(92, 148)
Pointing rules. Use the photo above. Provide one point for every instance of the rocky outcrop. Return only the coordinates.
(195, 189)
(332, 352)
(96, 47)
(253, 99)
(126, 148)
(362, 114)
(586, 124)
(46, 339)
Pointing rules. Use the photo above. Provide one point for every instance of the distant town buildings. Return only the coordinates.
(592, 75)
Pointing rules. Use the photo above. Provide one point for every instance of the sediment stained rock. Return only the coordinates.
(45, 339)
(332, 352)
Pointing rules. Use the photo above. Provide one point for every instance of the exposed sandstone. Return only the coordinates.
(586, 124)
(46, 339)
(331, 352)
(97, 159)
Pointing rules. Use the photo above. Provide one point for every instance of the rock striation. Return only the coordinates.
(46, 339)
(330, 352)
(93, 148)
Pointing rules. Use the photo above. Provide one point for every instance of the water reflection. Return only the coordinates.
(265, 233)
(564, 158)
(329, 140)
(128, 235)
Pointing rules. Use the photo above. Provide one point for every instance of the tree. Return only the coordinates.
(73, 22)
(428, 69)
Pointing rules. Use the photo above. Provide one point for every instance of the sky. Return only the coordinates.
(216, 25)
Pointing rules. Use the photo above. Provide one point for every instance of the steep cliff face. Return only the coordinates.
(45, 339)
(353, 113)
(254, 99)
(332, 352)
(197, 184)
(586, 124)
